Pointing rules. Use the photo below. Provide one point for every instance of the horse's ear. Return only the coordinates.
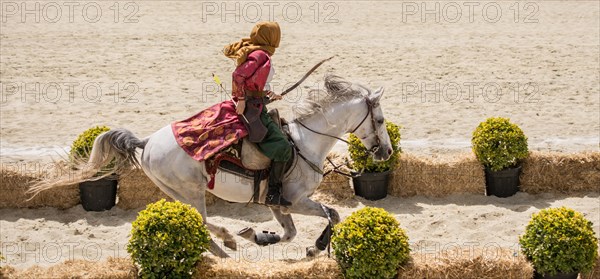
(376, 96)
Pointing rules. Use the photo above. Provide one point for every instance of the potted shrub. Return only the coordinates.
(167, 239)
(99, 194)
(370, 244)
(500, 146)
(560, 243)
(372, 182)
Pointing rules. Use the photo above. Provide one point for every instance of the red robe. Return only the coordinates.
(252, 75)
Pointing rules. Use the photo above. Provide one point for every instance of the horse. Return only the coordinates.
(346, 107)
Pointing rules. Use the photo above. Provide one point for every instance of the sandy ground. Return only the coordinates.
(539, 66)
(434, 225)
(150, 63)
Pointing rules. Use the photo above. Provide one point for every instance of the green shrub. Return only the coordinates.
(560, 240)
(370, 244)
(358, 152)
(499, 144)
(167, 239)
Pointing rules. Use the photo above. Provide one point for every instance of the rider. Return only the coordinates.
(250, 87)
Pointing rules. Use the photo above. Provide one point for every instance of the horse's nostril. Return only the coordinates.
(389, 151)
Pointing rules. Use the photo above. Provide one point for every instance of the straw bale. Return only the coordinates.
(427, 176)
(7, 272)
(436, 177)
(113, 268)
(321, 267)
(136, 190)
(560, 172)
(14, 179)
(468, 264)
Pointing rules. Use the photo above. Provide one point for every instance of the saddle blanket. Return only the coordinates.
(209, 131)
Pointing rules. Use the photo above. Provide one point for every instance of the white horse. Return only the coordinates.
(343, 108)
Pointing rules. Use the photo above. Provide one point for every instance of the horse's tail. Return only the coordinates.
(117, 144)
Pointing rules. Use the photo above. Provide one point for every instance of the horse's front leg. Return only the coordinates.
(307, 206)
(286, 222)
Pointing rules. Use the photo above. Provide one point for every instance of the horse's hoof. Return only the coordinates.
(247, 233)
(231, 244)
(311, 252)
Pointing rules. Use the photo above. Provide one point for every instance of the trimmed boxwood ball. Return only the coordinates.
(370, 244)
(560, 240)
(358, 152)
(499, 144)
(167, 239)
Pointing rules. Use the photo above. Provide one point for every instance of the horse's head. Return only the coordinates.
(371, 129)
(352, 108)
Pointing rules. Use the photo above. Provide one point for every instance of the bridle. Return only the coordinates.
(369, 152)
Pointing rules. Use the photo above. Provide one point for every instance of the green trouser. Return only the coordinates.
(275, 144)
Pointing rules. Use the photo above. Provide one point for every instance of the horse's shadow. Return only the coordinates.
(250, 211)
(112, 217)
(520, 202)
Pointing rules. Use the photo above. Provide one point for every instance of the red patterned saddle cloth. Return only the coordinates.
(209, 131)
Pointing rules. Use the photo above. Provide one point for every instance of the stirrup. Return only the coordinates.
(276, 199)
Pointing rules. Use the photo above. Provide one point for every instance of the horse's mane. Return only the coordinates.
(336, 90)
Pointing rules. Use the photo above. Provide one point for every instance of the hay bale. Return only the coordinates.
(15, 178)
(7, 272)
(436, 177)
(136, 190)
(321, 267)
(449, 264)
(113, 268)
(334, 187)
(559, 172)
(432, 177)
(468, 263)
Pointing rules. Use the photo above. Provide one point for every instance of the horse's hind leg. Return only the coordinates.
(224, 234)
(286, 222)
(307, 206)
(197, 199)
(199, 203)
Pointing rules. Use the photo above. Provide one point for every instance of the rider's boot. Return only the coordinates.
(274, 196)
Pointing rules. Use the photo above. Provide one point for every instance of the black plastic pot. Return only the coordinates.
(98, 195)
(504, 183)
(371, 185)
(557, 276)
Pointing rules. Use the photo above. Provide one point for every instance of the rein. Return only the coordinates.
(336, 168)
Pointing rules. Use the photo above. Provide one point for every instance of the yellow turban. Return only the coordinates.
(264, 36)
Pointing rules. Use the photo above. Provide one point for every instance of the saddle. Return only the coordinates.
(245, 159)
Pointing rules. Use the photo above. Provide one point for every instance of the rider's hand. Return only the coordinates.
(241, 106)
(273, 96)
